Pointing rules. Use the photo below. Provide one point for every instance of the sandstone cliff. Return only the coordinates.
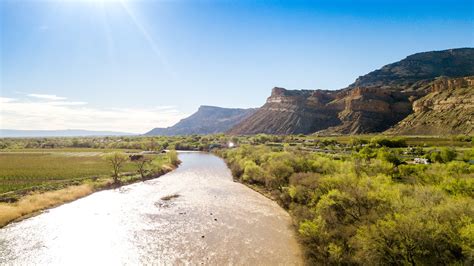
(420, 66)
(291, 112)
(447, 109)
(373, 103)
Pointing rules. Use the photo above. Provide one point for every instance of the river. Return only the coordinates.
(213, 221)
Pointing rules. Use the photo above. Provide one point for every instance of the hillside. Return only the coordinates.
(420, 66)
(207, 120)
(291, 112)
(373, 103)
(447, 109)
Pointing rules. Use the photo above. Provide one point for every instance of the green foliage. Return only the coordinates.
(253, 173)
(468, 155)
(355, 200)
(388, 142)
(369, 207)
(25, 171)
(367, 153)
(279, 173)
(388, 155)
(172, 157)
(443, 155)
(447, 154)
(425, 235)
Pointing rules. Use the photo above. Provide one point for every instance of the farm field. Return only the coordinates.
(48, 170)
(35, 179)
(38, 170)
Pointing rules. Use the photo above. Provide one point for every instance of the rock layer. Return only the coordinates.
(373, 103)
(447, 109)
(291, 112)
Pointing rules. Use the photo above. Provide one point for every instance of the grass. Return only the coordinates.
(39, 201)
(46, 171)
(48, 150)
(33, 181)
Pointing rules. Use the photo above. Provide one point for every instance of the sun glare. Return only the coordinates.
(98, 1)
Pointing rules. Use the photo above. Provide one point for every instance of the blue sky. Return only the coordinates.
(132, 65)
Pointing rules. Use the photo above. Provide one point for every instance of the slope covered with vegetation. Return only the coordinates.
(447, 109)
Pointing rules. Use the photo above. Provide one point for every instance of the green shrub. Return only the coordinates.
(253, 173)
(369, 208)
(390, 143)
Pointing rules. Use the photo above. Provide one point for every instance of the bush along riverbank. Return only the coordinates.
(29, 202)
(369, 206)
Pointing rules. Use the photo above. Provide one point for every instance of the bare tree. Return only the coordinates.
(117, 160)
(141, 166)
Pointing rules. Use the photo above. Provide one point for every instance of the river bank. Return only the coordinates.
(34, 203)
(194, 215)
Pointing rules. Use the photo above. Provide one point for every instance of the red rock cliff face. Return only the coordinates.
(371, 110)
(373, 103)
(359, 110)
(291, 112)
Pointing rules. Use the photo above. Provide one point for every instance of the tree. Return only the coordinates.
(447, 154)
(141, 164)
(173, 157)
(366, 153)
(117, 160)
(253, 172)
(435, 156)
(386, 154)
(280, 173)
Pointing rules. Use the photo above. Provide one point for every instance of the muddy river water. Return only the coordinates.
(213, 221)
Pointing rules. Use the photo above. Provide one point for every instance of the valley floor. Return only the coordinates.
(35, 180)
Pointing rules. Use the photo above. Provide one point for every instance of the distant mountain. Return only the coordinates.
(207, 120)
(373, 103)
(13, 133)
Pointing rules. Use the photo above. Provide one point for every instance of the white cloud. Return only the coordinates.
(6, 100)
(47, 97)
(55, 113)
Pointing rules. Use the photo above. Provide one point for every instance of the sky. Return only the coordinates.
(132, 65)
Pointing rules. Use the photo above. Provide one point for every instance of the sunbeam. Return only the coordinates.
(148, 38)
(108, 34)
